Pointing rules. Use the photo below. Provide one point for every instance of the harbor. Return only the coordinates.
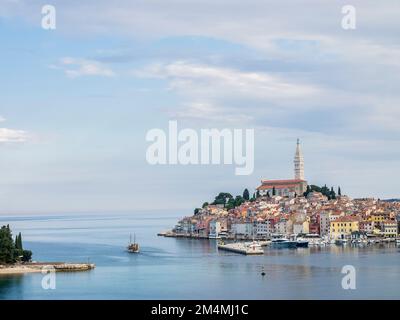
(169, 261)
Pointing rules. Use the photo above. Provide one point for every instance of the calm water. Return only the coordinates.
(171, 268)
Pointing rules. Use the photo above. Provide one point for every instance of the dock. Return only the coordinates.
(241, 248)
(43, 266)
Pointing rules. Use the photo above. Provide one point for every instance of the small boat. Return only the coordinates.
(214, 236)
(133, 247)
(341, 242)
(283, 243)
(398, 241)
(254, 244)
(301, 243)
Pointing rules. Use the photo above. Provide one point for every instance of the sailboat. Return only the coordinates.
(133, 247)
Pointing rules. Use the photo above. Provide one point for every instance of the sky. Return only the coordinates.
(76, 102)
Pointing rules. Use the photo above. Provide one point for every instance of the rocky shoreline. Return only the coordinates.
(40, 266)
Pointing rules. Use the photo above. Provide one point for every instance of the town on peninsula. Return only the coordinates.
(290, 213)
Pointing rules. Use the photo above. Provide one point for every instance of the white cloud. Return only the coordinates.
(10, 135)
(196, 78)
(2, 119)
(75, 67)
(215, 93)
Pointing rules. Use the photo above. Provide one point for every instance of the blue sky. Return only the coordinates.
(76, 102)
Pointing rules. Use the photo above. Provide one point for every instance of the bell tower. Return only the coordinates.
(298, 163)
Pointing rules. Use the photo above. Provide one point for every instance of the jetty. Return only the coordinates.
(43, 266)
(242, 248)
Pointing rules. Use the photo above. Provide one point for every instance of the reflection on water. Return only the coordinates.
(11, 286)
(169, 268)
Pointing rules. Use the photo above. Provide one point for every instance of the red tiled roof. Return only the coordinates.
(282, 181)
(270, 186)
(389, 222)
(279, 184)
(347, 219)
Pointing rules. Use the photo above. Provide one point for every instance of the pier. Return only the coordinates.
(241, 248)
(40, 266)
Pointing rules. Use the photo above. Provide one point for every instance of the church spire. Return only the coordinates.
(298, 163)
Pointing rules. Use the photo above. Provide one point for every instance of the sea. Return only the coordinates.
(170, 268)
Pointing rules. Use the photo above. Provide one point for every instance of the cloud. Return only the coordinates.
(228, 95)
(10, 135)
(74, 68)
(184, 76)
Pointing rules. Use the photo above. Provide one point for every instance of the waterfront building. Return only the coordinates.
(367, 226)
(389, 229)
(288, 187)
(342, 227)
(244, 229)
(301, 227)
(263, 228)
(281, 227)
(215, 229)
(324, 223)
(378, 217)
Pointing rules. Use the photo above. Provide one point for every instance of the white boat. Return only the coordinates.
(254, 244)
(214, 236)
(398, 241)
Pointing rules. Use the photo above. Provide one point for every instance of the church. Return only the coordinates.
(289, 187)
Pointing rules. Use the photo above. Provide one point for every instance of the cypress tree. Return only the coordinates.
(7, 246)
(20, 247)
(246, 195)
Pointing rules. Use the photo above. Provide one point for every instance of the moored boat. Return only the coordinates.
(283, 243)
(302, 243)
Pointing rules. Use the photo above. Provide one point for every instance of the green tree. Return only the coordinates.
(332, 194)
(26, 255)
(231, 204)
(7, 247)
(246, 195)
(205, 204)
(18, 244)
(273, 191)
(339, 192)
(239, 200)
(222, 198)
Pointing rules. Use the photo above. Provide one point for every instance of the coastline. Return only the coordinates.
(45, 266)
